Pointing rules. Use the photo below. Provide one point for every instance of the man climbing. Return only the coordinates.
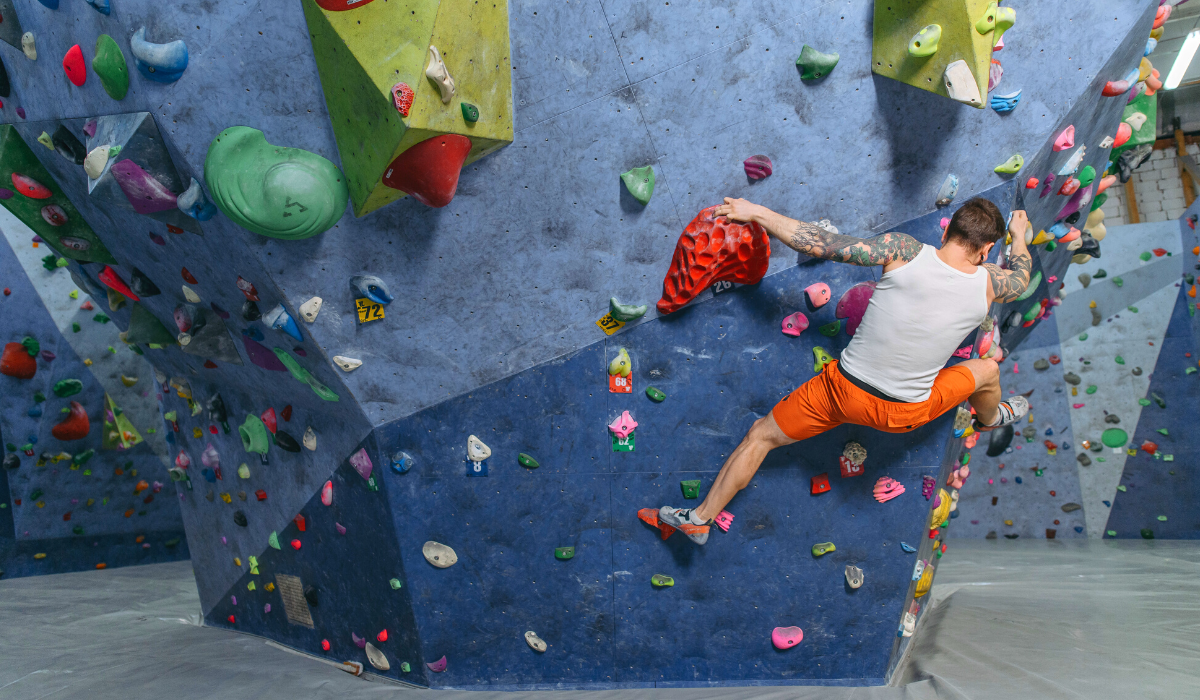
(892, 375)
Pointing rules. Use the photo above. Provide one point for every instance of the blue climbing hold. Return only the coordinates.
(193, 203)
(1005, 103)
(210, 476)
(1018, 479)
(52, 4)
(401, 462)
(372, 288)
(1151, 44)
(35, 412)
(1107, 503)
(907, 547)
(101, 6)
(253, 333)
(279, 319)
(1078, 528)
(162, 63)
(1059, 229)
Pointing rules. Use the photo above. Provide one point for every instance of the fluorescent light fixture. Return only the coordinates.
(1183, 60)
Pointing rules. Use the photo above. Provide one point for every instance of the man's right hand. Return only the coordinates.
(1018, 224)
(738, 209)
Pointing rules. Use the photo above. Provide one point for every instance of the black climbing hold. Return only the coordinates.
(1147, 533)
(1000, 440)
(1012, 536)
(67, 146)
(11, 461)
(286, 442)
(5, 88)
(141, 284)
(250, 311)
(239, 518)
(1072, 219)
(217, 412)
(310, 594)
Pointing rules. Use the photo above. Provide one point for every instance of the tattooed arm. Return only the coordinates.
(887, 249)
(1007, 285)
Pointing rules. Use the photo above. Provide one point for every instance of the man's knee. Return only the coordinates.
(987, 373)
(766, 432)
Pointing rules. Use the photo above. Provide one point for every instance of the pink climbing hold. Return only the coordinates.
(145, 193)
(1076, 405)
(786, 637)
(341, 529)
(995, 73)
(999, 45)
(853, 304)
(723, 520)
(928, 484)
(402, 97)
(944, 222)
(54, 215)
(757, 167)
(210, 458)
(887, 488)
(1016, 368)
(818, 294)
(438, 666)
(795, 324)
(1124, 131)
(623, 425)
(958, 477)
(1066, 139)
(327, 494)
(963, 353)
(362, 464)
(75, 66)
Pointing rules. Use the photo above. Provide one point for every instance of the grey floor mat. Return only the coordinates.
(1008, 619)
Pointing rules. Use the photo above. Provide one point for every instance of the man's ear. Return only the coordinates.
(987, 252)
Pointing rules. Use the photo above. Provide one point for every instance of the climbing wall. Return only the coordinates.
(317, 447)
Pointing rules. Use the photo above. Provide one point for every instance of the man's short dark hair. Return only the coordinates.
(976, 224)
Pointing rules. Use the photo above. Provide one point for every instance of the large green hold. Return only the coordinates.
(814, 64)
(273, 191)
(144, 327)
(1033, 285)
(640, 183)
(67, 387)
(302, 375)
(111, 68)
(1114, 437)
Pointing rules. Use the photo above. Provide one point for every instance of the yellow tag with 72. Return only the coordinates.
(609, 325)
(368, 310)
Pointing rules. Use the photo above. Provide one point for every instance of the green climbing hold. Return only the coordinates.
(1158, 400)
(38, 397)
(1033, 285)
(1111, 533)
(1098, 201)
(1162, 518)
(395, 584)
(814, 64)
(1114, 437)
(822, 548)
(831, 329)
(925, 42)
(640, 183)
(1145, 256)
(526, 461)
(821, 358)
(661, 581)
(110, 67)
(691, 488)
(50, 263)
(1032, 312)
(302, 375)
(405, 667)
(67, 387)
(36, 494)
(1132, 309)
(1162, 431)
(254, 435)
(470, 112)
(625, 312)
(987, 22)
(101, 318)
(75, 327)
(1051, 246)
(273, 540)
(1119, 360)
(1100, 274)
(1147, 533)
(1121, 488)
(1011, 165)
(564, 553)
(144, 327)
(1086, 176)
(32, 346)
(1083, 336)
(1092, 389)
(1118, 281)
(273, 191)
(1144, 402)
(83, 457)
(78, 529)
(655, 395)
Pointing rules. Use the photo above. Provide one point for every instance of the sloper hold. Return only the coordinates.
(162, 63)
(371, 287)
(110, 67)
(757, 167)
(795, 324)
(925, 42)
(146, 194)
(101, 6)
(17, 362)
(29, 46)
(786, 637)
(429, 171)
(814, 64)
(439, 555)
(854, 576)
(144, 327)
(853, 304)
(274, 191)
(713, 249)
(948, 191)
(640, 183)
(476, 450)
(74, 66)
(310, 309)
(67, 146)
(961, 85)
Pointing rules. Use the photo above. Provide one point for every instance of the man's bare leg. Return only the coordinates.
(986, 398)
(742, 464)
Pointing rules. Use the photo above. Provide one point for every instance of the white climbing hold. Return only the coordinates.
(96, 161)
(376, 657)
(535, 642)
(476, 450)
(192, 297)
(310, 439)
(311, 308)
(439, 74)
(1136, 120)
(183, 339)
(439, 554)
(348, 364)
(909, 625)
(1073, 162)
(29, 46)
(961, 85)
(1106, 142)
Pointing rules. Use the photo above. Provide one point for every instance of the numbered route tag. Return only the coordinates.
(722, 287)
(609, 325)
(476, 468)
(368, 310)
(620, 385)
(624, 444)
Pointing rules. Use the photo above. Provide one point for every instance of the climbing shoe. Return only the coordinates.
(681, 519)
(1011, 411)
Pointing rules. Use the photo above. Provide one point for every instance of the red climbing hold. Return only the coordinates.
(110, 277)
(713, 249)
(1149, 447)
(29, 187)
(209, 364)
(1159, 252)
(325, 644)
(17, 362)
(402, 97)
(188, 277)
(382, 636)
(287, 412)
(231, 619)
(429, 170)
(175, 230)
(1115, 87)
(262, 496)
(1031, 183)
(820, 483)
(268, 419)
(1124, 131)
(247, 288)
(74, 66)
(295, 544)
(299, 520)
(75, 426)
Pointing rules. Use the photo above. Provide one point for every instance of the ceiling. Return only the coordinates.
(1184, 18)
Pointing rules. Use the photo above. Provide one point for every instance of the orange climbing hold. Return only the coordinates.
(1192, 292)
(713, 249)
(650, 517)
(102, 565)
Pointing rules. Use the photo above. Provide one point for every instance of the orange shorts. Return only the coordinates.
(829, 400)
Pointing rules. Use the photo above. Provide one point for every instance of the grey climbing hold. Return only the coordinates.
(535, 642)
(948, 190)
(439, 554)
(1085, 279)
(854, 576)
(162, 63)
(1083, 459)
(1041, 364)
(376, 657)
(1070, 507)
(1071, 378)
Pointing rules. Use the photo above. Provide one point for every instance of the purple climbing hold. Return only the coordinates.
(438, 666)
(146, 194)
(6, 193)
(341, 529)
(260, 356)
(853, 304)
(757, 167)
(361, 462)
(158, 239)
(48, 356)
(89, 129)
(21, 112)
(1046, 188)
(360, 642)
(1076, 201)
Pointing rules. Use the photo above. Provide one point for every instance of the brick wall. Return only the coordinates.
(1158, 187)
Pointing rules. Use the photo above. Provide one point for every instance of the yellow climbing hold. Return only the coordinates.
(40, 555)
(1008, 523)
(942, 511)
(237, 561)
(925, 582)
(621, 364)
(1092, 304)
(1041, 238)
(1011, 165)
(128, 381)
(925, 42)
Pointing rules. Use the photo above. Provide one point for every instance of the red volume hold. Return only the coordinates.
(429, 170)
(714, 249)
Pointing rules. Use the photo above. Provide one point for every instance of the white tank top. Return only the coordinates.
(917, 317)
